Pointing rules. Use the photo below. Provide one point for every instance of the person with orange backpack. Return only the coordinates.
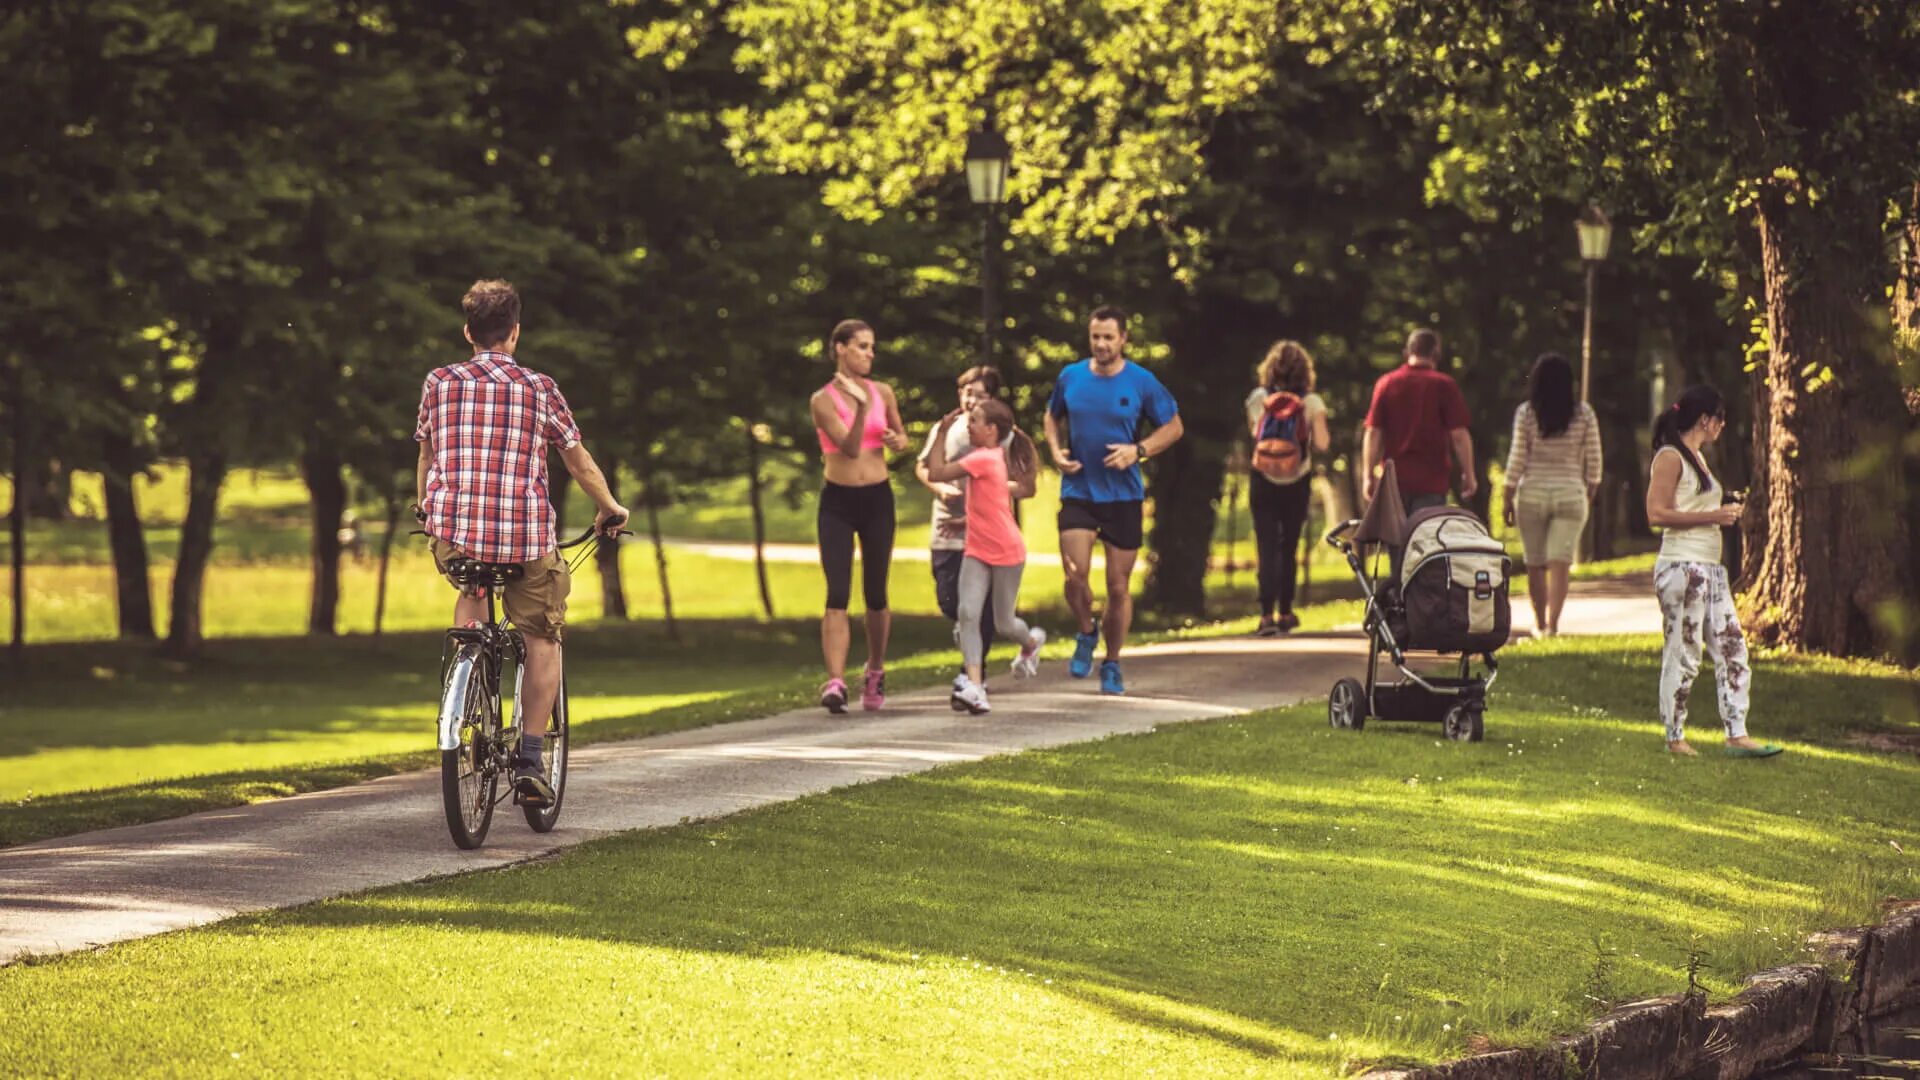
(1288, 422)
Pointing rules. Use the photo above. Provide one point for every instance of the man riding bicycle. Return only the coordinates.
(484, 428)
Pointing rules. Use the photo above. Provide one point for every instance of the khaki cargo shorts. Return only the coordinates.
(537, 603)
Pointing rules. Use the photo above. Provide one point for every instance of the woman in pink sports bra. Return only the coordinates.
(858, 421)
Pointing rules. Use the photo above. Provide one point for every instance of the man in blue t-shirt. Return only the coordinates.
(1102, 401)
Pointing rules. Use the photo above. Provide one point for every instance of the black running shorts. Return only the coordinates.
(1115, 523)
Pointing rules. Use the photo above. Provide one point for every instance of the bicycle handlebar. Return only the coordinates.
(610, 528)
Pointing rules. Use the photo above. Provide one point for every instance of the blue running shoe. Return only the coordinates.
(1081, 665)
(1110, 678)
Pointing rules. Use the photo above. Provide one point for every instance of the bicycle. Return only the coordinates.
(476, 749)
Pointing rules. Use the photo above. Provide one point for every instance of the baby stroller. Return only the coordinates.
(1446, 592)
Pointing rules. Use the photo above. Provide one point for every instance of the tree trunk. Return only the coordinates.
(133, 588)
(326, 482)
(759, 522)
(1233, 520)
(1906, 335)
(647, 496)
(1839, 554)
(394, 498)
(1753, 524)
(1185, 484)
(606, 557)
(17, 519)
(660, 560)
(1184, 480)
(48, 487)
(206, 472)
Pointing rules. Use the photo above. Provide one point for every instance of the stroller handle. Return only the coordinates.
(1337, 536)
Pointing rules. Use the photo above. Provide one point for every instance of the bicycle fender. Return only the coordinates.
(455, 699)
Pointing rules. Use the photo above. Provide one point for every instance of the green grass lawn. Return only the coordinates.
(1259, 894)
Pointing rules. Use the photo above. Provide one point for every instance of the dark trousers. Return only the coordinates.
(946, 593)
(1279, 513)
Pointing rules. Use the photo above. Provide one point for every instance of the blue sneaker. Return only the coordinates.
(1081, 665)
(1110, 678)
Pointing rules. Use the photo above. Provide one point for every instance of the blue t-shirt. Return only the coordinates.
(1101, 410)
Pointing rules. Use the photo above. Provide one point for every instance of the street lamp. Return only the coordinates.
(1596, 234)
(988, 158)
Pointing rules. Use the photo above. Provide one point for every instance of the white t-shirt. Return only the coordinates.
(1694, 543)
(950, 524)
(1312, 406)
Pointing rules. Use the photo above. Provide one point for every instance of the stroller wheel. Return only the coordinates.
(1347, 705)
(1463, 723)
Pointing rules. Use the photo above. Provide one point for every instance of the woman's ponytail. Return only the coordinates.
(1696, 404)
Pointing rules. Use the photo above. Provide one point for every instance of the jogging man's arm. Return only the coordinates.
(1165, 435)
(593, 482)
(1057, 446)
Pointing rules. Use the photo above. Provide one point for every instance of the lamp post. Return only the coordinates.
(1596, 234)
(988, 158)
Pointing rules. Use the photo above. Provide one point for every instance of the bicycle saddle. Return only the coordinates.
(474, 572)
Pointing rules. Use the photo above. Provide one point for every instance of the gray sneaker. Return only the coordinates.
(530, 783)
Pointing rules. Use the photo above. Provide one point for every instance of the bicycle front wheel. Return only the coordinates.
(554, 754)
(468, 779)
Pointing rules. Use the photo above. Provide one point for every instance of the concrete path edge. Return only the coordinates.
(1784, 1012)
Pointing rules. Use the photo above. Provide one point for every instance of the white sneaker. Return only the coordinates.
(969, 697)
(1027, 664)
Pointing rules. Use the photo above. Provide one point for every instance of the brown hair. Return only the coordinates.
(984, 373)
(843, 332)
(1425, 344)
(1023, 458)
(1288, 367)
(1106, 312)
(492, 308)
(995, 412)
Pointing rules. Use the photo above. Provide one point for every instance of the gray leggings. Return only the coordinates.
(976, 578)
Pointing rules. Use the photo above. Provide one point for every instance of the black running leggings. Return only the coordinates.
(1279, 511)
(847, 512)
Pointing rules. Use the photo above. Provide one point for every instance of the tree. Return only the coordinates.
(1799, 116)
(1182, 159)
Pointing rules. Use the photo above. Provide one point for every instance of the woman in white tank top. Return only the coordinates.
(1696, 600)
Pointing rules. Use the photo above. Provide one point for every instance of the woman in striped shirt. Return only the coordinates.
(1553, 472)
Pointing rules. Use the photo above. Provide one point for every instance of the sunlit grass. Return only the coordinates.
(1259, 894)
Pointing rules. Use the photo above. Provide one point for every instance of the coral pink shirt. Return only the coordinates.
(993, 536)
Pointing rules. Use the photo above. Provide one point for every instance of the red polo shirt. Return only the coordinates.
(1413, 411)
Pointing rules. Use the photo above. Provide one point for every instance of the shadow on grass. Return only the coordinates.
(1263, 881)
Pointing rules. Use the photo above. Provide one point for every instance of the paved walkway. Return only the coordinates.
(114, 885)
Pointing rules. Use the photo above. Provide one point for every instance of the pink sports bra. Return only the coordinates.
(876, 419)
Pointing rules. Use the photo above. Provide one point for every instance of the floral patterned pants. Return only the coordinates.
(1696, 603)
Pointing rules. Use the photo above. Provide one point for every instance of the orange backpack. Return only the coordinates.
(1277, 452)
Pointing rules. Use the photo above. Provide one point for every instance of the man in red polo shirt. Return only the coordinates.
(484, 429)
(1418, 415)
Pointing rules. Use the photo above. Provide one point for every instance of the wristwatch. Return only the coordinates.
(1140, 451)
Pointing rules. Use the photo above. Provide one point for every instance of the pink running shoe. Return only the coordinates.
(833, 696)
(873, 696)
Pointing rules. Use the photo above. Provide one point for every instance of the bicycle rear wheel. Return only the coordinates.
(554, 754)
(468, 779)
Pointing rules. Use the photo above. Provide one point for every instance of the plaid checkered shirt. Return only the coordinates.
(489, 421)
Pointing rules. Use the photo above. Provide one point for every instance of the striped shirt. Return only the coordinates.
(1570, 459)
